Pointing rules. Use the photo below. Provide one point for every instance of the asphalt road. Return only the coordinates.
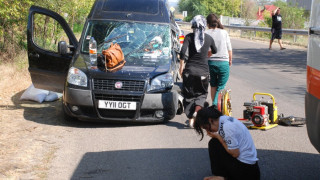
(173, 151)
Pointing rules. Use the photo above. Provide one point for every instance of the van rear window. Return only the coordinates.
(135, 6)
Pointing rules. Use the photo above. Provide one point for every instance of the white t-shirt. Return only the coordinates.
(222, 41)
(237, 136)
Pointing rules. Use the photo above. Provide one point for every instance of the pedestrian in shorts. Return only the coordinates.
(276, 30)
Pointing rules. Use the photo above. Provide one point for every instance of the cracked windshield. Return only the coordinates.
(143, 44)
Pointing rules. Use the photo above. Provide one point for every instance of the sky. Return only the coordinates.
(173, 3)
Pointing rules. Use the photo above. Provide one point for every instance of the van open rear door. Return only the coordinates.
(312, 101)
(48, 62)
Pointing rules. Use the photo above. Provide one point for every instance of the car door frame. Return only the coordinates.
(49, 69)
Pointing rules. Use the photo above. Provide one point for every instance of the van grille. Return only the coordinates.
(117, 97)
(127, 85)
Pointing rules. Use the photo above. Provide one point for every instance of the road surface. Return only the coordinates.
(173, 151)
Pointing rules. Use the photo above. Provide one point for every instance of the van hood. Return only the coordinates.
(139, 72)
(127, 71)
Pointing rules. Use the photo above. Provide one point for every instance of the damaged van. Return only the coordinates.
(144, 90)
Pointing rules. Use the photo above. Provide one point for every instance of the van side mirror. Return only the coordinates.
(62, 48)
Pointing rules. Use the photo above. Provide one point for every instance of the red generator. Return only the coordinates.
(256, 113)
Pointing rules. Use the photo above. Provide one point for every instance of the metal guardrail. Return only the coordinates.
(263, 29)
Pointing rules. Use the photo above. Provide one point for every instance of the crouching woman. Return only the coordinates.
(231, 150)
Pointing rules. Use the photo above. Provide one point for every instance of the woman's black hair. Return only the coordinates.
(203, 116)
(213, 21)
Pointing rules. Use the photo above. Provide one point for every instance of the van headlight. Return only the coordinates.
(77, 77)
(161, 82)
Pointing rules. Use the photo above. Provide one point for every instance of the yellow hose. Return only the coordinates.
(226, 104)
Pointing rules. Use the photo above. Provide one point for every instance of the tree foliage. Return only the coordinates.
(293, 17)
(14, 19)
(204, 7)
(248, 11)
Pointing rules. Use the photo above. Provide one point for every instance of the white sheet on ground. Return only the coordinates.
(39, 95)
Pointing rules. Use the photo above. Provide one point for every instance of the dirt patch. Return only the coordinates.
(28, 130)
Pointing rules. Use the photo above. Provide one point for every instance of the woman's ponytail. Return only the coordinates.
(213, 21)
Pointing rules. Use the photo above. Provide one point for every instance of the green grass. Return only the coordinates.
(21, 61)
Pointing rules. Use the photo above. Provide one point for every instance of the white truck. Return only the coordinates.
(312, 99)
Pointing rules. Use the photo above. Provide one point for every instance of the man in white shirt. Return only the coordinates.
(231, 149)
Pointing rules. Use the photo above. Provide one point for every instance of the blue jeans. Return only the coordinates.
(219, 75)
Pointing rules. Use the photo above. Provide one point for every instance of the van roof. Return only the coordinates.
(131, 10)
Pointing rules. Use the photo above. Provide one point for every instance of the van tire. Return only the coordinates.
(180, 108)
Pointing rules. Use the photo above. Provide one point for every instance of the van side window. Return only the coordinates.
(47, 33)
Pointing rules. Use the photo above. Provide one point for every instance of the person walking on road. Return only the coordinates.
(276, 29)
(231, 149)
(219, 63)
(195, 74)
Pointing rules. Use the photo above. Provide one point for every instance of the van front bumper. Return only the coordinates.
(154, 107)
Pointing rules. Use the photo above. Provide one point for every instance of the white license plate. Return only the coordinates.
(121, 105)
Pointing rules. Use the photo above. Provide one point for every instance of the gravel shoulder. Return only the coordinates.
(28, 130)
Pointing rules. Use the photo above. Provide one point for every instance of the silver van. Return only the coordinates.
(312, 99)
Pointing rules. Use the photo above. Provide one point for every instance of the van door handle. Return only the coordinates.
(34, 55)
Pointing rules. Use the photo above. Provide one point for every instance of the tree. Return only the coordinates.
(292, 16)
(248, 11)
(204, 7)
(193, 7)
(14, 18)
(13, 15)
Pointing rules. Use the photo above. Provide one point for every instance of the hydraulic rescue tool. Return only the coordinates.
(263, 114)
(258, 114)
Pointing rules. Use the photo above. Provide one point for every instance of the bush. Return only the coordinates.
(77, 28)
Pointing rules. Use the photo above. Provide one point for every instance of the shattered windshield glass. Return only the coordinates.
(141, 43)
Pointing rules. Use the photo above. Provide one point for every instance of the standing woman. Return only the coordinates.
(196, 72)
(219, 63)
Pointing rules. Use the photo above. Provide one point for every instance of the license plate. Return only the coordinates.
(120, 105)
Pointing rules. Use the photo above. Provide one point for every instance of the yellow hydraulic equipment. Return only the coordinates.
(258, 114)
(263, 114)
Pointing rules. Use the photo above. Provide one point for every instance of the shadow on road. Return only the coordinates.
(51, 113)
(280, 59)
(145, 164)
(185, 164)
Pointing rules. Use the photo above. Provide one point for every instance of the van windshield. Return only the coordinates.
(141, 43)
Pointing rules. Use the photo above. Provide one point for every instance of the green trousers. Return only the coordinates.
(219, 75)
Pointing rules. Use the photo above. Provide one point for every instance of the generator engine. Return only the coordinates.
(257, 113)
